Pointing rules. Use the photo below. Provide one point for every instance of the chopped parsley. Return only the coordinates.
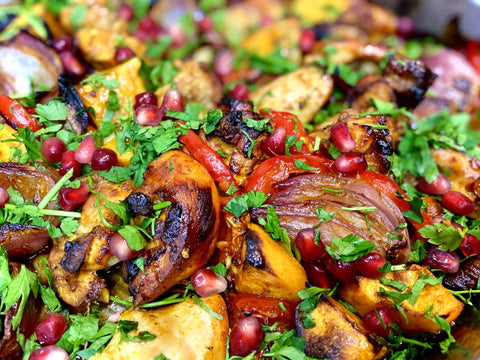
(349, 248)
(239, 205)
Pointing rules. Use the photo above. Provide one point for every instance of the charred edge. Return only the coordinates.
(173, 224)
(206, 213)
(75, 252)
(254, 253)
(232, 127)
(72, 99)
(139, 204)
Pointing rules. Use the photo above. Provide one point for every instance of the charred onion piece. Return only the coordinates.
(186, 236)
(26, 60)
(296, 200)
(23, 240)
(466, 277)
(77, 116)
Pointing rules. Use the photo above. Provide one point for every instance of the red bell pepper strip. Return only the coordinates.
(212, 161)
(473, 54)
(16, 115)
(292, 126)
(281, 167)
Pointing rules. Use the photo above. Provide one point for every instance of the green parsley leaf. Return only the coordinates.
(302, 166)
(419, 285)
(350, 248)
(125, 326)
(54, 110)
(273, 228)
(417, 251)
(239, 205)
(134, 238)
(259, 125)
(220, 269)
(448, 238)
(212, 118)
(393, 283)
(200, 302)
(140, 264)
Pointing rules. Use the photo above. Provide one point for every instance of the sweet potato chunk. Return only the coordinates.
(183, 331)
(364, 295)
(269, 270)
(338, 334)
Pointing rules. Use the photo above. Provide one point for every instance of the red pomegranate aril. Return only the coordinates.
(458, 203)
(318, 276)
(342, 137)
(307, 40)
(62, 43)
(470, 244)
(240, 91)
(342, 271)
(68, 162)
(205, 24)
(85, 150)
(373, 324)
(369, 264)
(3, 197)
(104, 159)
(53, 149)
(405, 27)
(305, 243)
(71, 63)
(246, 336)
(439, 186)
(276, 141)
(119, 247)
(223, 63)
(148, 115)
(147, 24)
(206, 282)
(123, 53)
(447, 261)
(50, 329)
(172, 100)
(50, 352)
(177, 33)
(70, 198)
(351, 163)
(145, 98)
(126, 12)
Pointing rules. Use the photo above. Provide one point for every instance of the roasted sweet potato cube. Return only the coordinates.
(363, 294)
(338, 334)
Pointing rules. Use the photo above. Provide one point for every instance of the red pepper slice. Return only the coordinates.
(292, 126)
(16, 115)
(212, 161)
(473, 54)
(267, 309)
(281, 167)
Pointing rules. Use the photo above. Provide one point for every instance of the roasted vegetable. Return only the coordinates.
(337, 334)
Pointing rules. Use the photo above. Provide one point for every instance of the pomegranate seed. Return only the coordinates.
(307, 40)
(140, 35)
(246, 336)
(438, 187)
(119, 248)
(115, 317)
(239, 91)
(318, 276)
(123, 53)
(447, 261)
(71, 63)
(70, 198)
(126, 12)
(62, 43)
(369, 264)
(148, 115)
(3, 197)
(50, 352)
(276, 141)
(373, 324)
(223, 63)
(205, 24)
(341, 271)
(53, 149)
(458, 203)
(172, 100)
(351, 162)
(104, 159)
(305, 243)
(206, 282)
(470, 244)
(145, 98)
(342, 138)
(147, 24)
(405, 26)
(68, 161)
(85, 150)
(50, 329)
(179, 38)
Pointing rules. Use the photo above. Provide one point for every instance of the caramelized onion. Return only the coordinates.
(296, 199)
(23, 240)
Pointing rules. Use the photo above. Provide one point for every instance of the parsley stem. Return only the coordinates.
(50, 212)
(167, 301)
(54, 190)
(360, 208)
